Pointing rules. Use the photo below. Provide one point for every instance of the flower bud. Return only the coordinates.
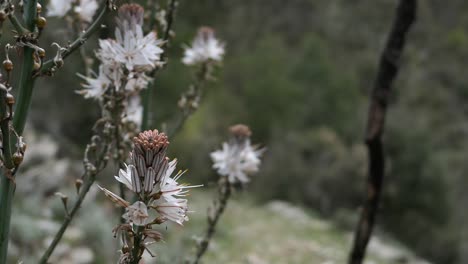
(41, 52)
(41, 22)
(17, 158)
(10, 100)
(8, 65)
(78, 184)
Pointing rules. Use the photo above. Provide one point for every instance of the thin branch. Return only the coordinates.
(387, 71)
(147, 95)
(92, 169)
(49, 65)
(192, 97)
(214, 213)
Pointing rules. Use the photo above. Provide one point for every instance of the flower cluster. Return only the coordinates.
(149, 176)
(125, 61)
(237, 159)
(85, 9)
(205, 47)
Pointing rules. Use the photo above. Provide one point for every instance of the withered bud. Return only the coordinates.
(17, 158)
(41, 52)
(122, 228)
(64, 199)
(41, 22)
(125, 249)
(78, 184)
(205, 33)
(3, 15)
(153, 234)
(151, 140)
(240, 131)
(8, 65)
(10, 99)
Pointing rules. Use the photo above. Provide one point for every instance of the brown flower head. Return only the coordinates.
(240, 131)
(205, 33)
(130, 12)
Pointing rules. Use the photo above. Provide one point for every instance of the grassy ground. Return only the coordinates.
(273, 233)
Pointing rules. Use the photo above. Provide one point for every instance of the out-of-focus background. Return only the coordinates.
(299, 73)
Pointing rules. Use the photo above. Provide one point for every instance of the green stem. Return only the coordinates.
(149, 93)
(17, 25)
(7, 188)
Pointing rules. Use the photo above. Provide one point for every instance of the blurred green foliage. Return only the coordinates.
(299, 72)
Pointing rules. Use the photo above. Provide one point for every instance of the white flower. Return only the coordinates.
(86, 9)
(130, 47)
(129, 177)
(174, 210)
(137, 214)
(135, 110)
(205, 47)
(169, 204)
(95, 87)
(59, 8)
(237, 160)
(169, 188)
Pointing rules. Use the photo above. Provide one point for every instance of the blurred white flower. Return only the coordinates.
(237, 159)
(137, 214)
(130, 47)
(86, 9)
(135, 110)
(95, 87)
(205, 47)
(59, 8)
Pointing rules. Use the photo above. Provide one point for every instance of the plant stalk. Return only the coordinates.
(387, 71)
(25, 86)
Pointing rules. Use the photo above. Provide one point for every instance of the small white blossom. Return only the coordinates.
(174, 210)
(237, 160)
(137, 214)
(205, 47)
(130, 47)
(129, 177)
(135, 110)
(95, 87)
(86, 9)
(59, 8)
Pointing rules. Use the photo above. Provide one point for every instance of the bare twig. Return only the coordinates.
(387, 71)
(149, 92)
(97, 154)
(191, 99)
(49, 66)
(214, 213)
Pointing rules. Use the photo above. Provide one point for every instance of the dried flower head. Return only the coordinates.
(240, 131)
(151, 140)
(205, 47)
